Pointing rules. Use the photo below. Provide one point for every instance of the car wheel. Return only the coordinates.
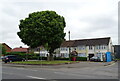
(5, 61)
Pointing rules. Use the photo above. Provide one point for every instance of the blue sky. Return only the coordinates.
(84, 18)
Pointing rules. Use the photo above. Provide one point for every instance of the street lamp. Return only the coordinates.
(69, 44)
(69, 35)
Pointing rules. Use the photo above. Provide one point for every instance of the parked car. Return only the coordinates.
(94, 58)
(1, 57)
(12, 58)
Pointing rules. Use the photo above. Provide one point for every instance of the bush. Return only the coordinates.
(81, 58)
(59, 58)
(25, 55)
(42, 58)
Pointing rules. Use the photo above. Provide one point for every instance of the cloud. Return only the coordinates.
(84, 18)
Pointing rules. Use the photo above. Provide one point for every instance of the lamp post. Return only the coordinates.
(69, 44)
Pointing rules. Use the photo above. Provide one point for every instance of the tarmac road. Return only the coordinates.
(82, 70)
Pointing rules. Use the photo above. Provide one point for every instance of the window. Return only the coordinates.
(90, 47)
(63, 49)
(82, 55)
(101, 47)
(74, 48)
(66, 55)
(104, 47)
(97, 47)
(66, 49)
(81, 47)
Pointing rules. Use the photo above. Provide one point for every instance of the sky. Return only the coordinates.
(84, 19)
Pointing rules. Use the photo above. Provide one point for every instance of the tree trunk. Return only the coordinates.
(50, 57)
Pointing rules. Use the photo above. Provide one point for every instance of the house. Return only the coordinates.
(20, 49)
(117, 51)
(87, 47)
(39, 50)
(8, 48)
(83, 47)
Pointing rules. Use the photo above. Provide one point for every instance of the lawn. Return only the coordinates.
(45, 62)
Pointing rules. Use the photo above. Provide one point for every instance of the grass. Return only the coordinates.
(44, 62)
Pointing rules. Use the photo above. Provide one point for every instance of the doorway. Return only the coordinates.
(90, 55)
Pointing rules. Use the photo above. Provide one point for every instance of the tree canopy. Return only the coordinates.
(42, 28)
(2, 49)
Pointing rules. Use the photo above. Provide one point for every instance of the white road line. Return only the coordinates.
(110, 65)
(66, 73)
(35, 77)
(25, 69)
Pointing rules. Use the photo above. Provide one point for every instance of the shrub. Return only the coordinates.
(25, 55)
(81, 58)
(59, 58)
(42, 58)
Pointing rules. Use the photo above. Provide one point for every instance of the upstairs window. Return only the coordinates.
(90, 47)
(101, 47)
(81, 47)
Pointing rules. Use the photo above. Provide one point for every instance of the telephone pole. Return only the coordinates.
(69, 44)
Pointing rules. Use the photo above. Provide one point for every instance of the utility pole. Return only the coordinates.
(69, 45)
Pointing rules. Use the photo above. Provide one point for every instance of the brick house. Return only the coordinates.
(8, 48)
(20, 49)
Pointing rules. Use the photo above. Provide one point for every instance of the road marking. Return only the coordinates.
(25, 69)
(66, 73)
(110, 65)
(35, 77)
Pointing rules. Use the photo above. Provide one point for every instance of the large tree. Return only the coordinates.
(44, 28)
(2, 49)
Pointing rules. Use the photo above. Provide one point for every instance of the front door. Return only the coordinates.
(90, 55)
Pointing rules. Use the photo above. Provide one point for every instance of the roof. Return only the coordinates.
(87, 42)
(6, 45)
(67, 44)
(92, 42)
(20, 50)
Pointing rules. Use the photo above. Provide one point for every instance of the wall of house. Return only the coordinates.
(84, 51)
(110, 47)
(81, 50)
(7, 48)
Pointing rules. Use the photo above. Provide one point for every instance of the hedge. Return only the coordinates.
(37, 56)
(25, 55)
(59, 58)
(81, 58)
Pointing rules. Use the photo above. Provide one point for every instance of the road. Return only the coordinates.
(44, 73)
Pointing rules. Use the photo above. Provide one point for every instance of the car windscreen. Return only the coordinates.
(12, 56)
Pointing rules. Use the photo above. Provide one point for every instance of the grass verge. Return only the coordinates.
(44, 62)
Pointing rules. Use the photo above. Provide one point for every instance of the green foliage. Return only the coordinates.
(59, 58)
(42, 58)
(44, 62)
(80, 58)
(2, 49)
(25, 55)
(43, 28)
